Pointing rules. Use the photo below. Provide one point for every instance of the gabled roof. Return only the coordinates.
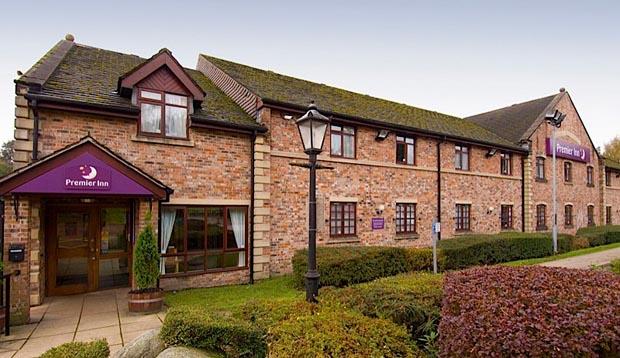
(81, 75)
(275, 88)
(164, 57)
(86, 144)
(517, 122)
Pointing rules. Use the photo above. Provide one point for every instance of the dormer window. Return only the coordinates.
(163, 114)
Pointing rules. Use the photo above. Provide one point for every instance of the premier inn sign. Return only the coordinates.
(87, 176)
(569, 150)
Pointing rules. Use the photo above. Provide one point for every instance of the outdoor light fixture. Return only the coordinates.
(491, 152)
(287, 116)
(382, 134)
(555, 118)
(312, 127)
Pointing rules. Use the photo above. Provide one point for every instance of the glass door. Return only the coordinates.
(113, 248)
(71, 245)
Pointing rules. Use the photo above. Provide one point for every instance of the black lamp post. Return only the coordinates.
(555, 118)
(312, 128)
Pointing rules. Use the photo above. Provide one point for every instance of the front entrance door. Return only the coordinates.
(88, 247)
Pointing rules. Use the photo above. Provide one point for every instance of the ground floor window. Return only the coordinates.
(506, 217)
(590, 215)
(608, 215)
(568, 215)
(463, 218)
(198, 239)
(342, 219)
(405, 218)
(541, 217)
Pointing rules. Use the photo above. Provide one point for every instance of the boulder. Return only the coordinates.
(183, 352)
(148, 345)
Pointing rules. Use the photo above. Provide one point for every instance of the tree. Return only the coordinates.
(612, 149)
(6, 157)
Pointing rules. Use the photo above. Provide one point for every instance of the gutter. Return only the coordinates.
(35, 130)
(251, 211)
(522, 194)
(397, 127)
(132, 111)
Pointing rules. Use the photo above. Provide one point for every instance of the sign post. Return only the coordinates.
(436, 229)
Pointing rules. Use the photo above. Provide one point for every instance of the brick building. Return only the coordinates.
(103, 137)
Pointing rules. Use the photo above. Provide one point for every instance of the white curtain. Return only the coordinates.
(237, 219)
(167, 223)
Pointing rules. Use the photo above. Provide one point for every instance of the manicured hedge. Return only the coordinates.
(412, 300)
(530, 311)
(600, 235)
(347, 265)
(221, 332)
(337, 332)
(94, 349)
(474, 250)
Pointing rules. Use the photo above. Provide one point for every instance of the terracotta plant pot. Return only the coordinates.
(146, 301)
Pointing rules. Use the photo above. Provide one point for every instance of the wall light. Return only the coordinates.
(287, 116)
(382, 134)
(491, 152)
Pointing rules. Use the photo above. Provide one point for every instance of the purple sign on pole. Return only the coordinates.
(568, 150)
(378, 223)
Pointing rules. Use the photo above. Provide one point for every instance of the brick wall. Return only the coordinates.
(577, 192)
(374, 179)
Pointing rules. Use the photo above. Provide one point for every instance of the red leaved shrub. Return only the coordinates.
(530, 311)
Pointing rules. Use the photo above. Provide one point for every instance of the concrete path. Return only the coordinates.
(586, 261)
(59, 320)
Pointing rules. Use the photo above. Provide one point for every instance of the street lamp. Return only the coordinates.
(555, 119)
(312, 127)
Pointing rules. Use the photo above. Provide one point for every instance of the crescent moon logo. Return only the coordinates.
(88, 172)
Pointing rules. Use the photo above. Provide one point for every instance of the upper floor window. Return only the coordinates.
(463, 217)
(506, 217)
(590, 215)
(568, 215)
(590, 176)
(405, 218)
(342, 219)
(568, 172)
(505, 163)
(163, 114)
(541, 217)
(540, 168)
(405, 150)
(461, 157)
(607, 178)
(342, 141)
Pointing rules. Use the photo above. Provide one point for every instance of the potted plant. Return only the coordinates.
(146, 297)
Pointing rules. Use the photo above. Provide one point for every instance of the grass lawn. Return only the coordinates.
(230, 297)
(589, 250)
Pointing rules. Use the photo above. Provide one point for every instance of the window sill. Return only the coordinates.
(407, 236)
(541, 180)
(462, 232)
(197, 273)
(590, 185)
(508, 229)
(166, 141)
(568, 183)
(569, 226)
(542, 228)
(343, 240)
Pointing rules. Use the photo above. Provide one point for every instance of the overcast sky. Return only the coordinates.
(458, 57)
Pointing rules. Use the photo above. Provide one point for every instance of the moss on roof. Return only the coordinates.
(289, 90)
(90, 75)
(612, 164)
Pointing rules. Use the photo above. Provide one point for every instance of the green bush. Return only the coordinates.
(221, 332)
(146, 258)
(347, 265)
(335, 332)
(266, 313)
(473, 250)
(615, 266)
(412, 300)
(421, 259)
(94, 349)
(600, 235)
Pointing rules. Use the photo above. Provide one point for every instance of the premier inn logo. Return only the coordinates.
(87, 177)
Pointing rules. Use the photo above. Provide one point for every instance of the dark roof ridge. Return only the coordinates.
(327, 85)
(42, 70)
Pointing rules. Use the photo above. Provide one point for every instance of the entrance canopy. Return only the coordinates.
(84, 168)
